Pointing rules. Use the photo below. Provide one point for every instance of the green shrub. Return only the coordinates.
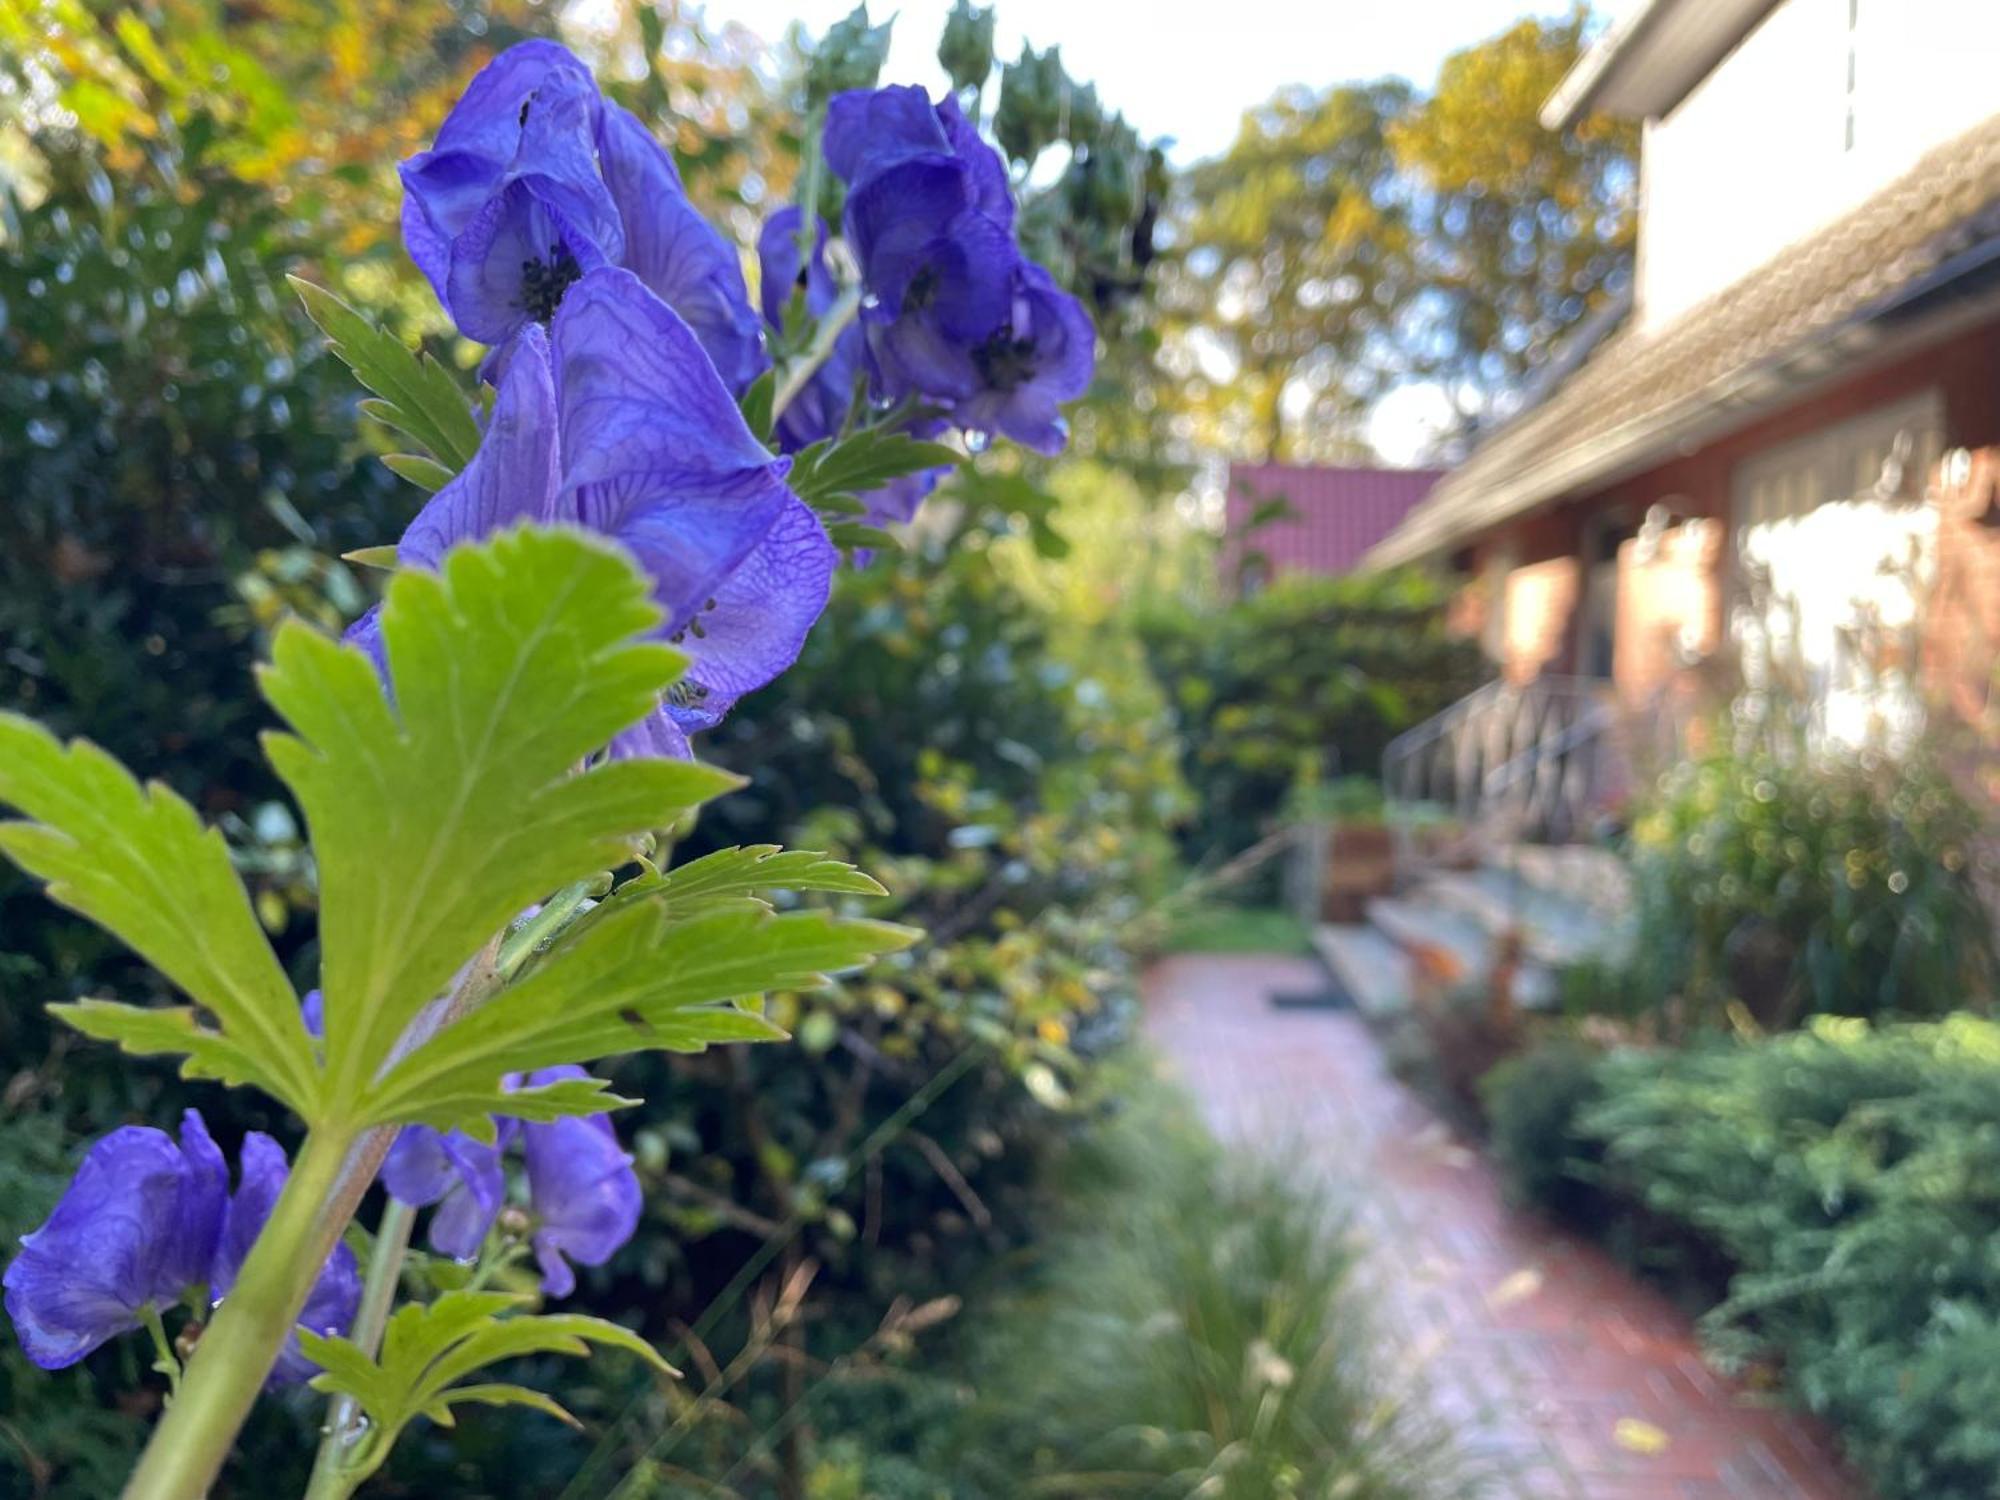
(1532, 1102)
(1305, 681)
(1851, 1177)
(1802, 886)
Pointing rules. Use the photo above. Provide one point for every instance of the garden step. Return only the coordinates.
(1423, 923)
(1555, 930)
(1589, 876)
(1417, 926)
(1373, 970)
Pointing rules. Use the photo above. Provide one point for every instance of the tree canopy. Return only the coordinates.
(1365, 236)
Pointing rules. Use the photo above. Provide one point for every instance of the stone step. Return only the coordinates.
(1555, 930)
(1373, 970)
(1419, 926)
(1422, 924)
(1580, 873)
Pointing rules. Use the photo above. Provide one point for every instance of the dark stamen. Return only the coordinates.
(543, 282)
(1004, 361)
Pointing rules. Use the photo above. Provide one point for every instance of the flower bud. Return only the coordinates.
(849, 56)
(966, 49)
(1032, 96)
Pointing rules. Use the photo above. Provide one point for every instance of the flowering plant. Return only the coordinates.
(636, 521)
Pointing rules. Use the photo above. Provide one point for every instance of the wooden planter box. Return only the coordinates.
(1360, 864)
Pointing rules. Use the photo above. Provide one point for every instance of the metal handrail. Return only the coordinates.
(1593, 724)
(1521, 753)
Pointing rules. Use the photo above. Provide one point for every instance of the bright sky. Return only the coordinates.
(1177, 67)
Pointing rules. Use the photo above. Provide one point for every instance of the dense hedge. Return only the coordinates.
(1307, 680)
(1798, 885)
(1839, 1187)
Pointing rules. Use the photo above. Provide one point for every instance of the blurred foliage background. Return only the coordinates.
(1028, 720)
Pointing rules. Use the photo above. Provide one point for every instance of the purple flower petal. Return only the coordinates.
(107, 1250)
(462, 1176)
(656, 453)
(761, 616)
(986, 174)
(515, 474)
(656, 736)
(676, 252)
(1043, 356)
(585, 1195)
(508, 205)
(872, 131)
(204, 1201)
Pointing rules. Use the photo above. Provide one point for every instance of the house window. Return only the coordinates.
(1832, 554)
(1884, 455)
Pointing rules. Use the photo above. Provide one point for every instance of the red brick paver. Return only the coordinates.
(1552, 1361)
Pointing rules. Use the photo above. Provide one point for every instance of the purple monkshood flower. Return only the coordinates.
(460, 1175)
(137, 1226)
(582, 1190)
(614, 421)
(956, 317)
(583, 1195)
(331, 1304)
(536, 179)
(144, 1223)
(820, 409)
(1043, 356)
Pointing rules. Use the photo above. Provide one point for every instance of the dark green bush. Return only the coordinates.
(1851, 1177)
(1803, 886)
(180, 459)
(1532, 1102)
(1308, 680)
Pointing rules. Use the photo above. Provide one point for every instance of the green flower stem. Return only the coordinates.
(378, 1294)
(168, 1364)
(812, 164)
(800, 370)
(235, 1355)
(555, 915)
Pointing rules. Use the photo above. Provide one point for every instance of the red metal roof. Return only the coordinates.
(1339, 514)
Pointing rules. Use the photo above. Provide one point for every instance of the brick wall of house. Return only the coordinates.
(1669, 606)
(1541, 548)
(1961, 641)
(1540, 603)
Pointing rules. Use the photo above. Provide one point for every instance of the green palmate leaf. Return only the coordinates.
(637, 979)
(475, 1110)
(419, 397)
(171, 1030)
(748, 870)
(438, 819)
(138, 862)
(865, 461)
(428, 1349)
(423, 472)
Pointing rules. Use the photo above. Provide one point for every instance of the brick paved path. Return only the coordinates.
(1576, 1381)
